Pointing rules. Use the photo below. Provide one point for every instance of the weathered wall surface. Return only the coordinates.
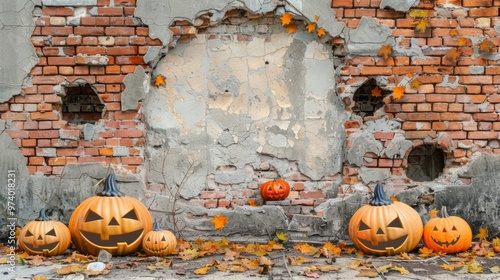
(244, 101)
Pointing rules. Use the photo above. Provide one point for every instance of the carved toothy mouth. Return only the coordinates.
(41, 248)
(395, 243)
(114, 239)
(446, 243)
(158, 250)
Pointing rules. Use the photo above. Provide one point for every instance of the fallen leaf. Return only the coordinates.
(371, 273)
(281, 236)
(399, 92)
(393, 198)
(433, 213)
(286, 19)
(376, 92)
(495, 269)
(202, 271)
(462, 41)
(312, 275)
(385, 51)
(495, 241)
(400, 269)
(410, 75)
(422, 25)
(415, 83)
(291, 28)
(265, 261)
(453, 32)
(449, 267)
(160, 80)
(355, 264)
(404, 256)
(316, 18)
(483, 233)
(321, 32)
(250, 264)
(39, 278)
(306, 249)
(425, 252)
(231, 255)
(219, 221)
(486, 46)
(266, 269)
(69, 269)
(126, 265)
(297, 260)
(310, 27)
(252, 202)
(384, 268)
(453, 55)
(328, 268)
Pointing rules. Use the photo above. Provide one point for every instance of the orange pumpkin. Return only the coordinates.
(385, 227)
(44, 237)
(448, 234)
(277, 189)
(159, 242)
(110, 221)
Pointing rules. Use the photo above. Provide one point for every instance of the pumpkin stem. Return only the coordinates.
(110, 188)
(379, 197)
(156, 226)
(42, 216)
(444, 212)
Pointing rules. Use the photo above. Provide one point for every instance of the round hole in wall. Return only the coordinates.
(425, 163)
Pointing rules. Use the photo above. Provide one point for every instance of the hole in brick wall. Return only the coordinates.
(425, 163)
(365, 104)
(81, 105)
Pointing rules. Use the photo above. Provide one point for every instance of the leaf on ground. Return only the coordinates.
(486, 46)
(384, 268)
(250, 264)
(160, 80)
(495, 269)
(355, 264)
(312, 275)
(202, 271)
(453, 55)
(405, 256)
(328, 268)
(69, 269)
(306, 249)
(449, 267)
(291, 28)
(266, 269)
(297, 260)
(483, 233)
(393, 198)
(316, 18)
(422, 25)
(281, 236)
(39, 278)
(433, 213)
(385, 51)
(231, 255)
(400, 269)
(321, 32)
(286, 19)
(126, 265)
(495, 241)
(370, 273)
(310, 27)
(252, 202)
(189, 254)
(425, 252)
(399, 92)
(219, 221)
(265, 261)
(376, 92)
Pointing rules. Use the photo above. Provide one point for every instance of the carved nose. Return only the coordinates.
(380, 231)
(113, 222)
(40, 237)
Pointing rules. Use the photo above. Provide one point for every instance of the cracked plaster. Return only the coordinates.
(399, 5)
(136, 87)
(16, 26)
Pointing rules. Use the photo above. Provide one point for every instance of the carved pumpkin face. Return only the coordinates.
(385, 227)
(275, 190)
(448, 234)
(44, 237)
(116, 224)
(159, 242)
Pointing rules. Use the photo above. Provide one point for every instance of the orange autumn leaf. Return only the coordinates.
(453, 55)
(433, 213)
(410, 75)
(462, 41)
(291, 28)
(483, 233)
(422, 25)
(321, 32)
(202, 271)
(252, 202)
(453, 32)
(286, 19)
(385, 51)
(310, 27)
(399, 91)
(415, 84)
(159, 80)
(219, 221)
(316, 18)
(376, 92)
(486, 46)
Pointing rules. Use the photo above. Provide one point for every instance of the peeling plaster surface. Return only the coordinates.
(399, 5)
(64, 3)
(229, 102)
(136, 87)
(16, 27)
(368, 37)
(362, 144)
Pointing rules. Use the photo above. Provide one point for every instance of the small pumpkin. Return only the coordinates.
(276, 189)
(385, 227)
(448, 234)
(109, 221)
(159, 242)
(44, 237)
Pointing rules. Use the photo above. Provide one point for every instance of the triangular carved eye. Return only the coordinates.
(163, 239)
(453, 228)
(363, 226)
(92, 216)
(130, 215)
(28, 233)
(396, 223)
(52, 232)
(435, 228)
(149, 239)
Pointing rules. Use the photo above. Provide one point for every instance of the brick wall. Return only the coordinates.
(71, 50)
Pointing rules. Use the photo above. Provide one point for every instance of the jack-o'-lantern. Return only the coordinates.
(448, 234)
(277, 189)
(159, 242)
(385, 227)
(44, 237)
(110, 221)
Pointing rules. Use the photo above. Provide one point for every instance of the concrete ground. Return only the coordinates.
(421, 269)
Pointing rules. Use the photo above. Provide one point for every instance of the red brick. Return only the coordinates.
(477, 3)
(132, 160)
(129, 133)
(482, 135)
(47, 134)
(91, 50)
(312, 194)
(122, 51)
(110, 79)
(61, 60)
(120, 31)
(41, 116)
(36, 161)
(57, 31)
(419, 134)
(89, 31)
(137, 60)
(110, 11)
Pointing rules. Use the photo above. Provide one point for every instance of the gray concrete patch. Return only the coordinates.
(136, 87)
(368, 37)
(399, 5)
